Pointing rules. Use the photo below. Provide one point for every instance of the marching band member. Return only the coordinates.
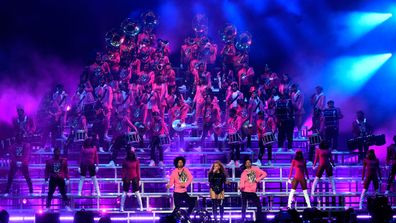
(131, 176)
(330, 124)
(60, 98)
(234, 124)
(158, 129)
(248, 186)
(151, 101)
(120, 137)
(23, 124)
(104, 93)
(325, 159)
(264, 125)
(89, 162)
(179, 111)
(285, 121)
(19, 156)
(200, 73)
(299, 165)
(181, 178)
(199, 98)
(242, 111)
(233, 95)
(217, 178)
(318, 101)
(371, 172)
(391, 159)
(361, 128)
(57, 172)
(211, 117)
(297, 99)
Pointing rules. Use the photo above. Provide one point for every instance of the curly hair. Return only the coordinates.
(222, 169)
(176, 160)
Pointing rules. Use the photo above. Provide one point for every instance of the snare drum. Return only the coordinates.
(133, 137)
(234, 138)
(164, 140)
(80, 136)
(315, 139)
(268, 138)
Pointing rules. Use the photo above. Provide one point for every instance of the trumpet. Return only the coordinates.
(178, 126)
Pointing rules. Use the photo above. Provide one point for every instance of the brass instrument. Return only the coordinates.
(178, 126)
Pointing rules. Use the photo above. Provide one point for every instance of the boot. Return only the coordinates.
(80, 185)
(291, 195)
(332, 185)
(314, 186)
(122, 203)
(362, 198)
(305, 192)
(139, 198)
(96, 185)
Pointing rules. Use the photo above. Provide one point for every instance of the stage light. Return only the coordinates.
(24, 201)
(350, 73)
(352, 26)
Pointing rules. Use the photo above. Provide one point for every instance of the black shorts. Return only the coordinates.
(321, 169)
(90, 168)
(302, 182)
(127, 184)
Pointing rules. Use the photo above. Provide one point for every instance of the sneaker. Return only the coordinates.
(198, 149)
(181, 150)
(217, 150)
(291, 150)
(231, 164)
(167, 150)
(111, 164)
(141, 150)
(194, 123)
(68, 208)
(152, 163)
(101, 150)
(309, 163)
(5, 194)
(269, 163)
(161, 164)
(107, 138)
(257, 163)
(386, 192)
(280, 149)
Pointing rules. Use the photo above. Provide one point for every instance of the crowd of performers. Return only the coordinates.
(131, 92)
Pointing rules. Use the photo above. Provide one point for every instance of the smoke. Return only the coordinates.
(29, 76)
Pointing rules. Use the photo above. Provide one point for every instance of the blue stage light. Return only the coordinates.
(350, 73)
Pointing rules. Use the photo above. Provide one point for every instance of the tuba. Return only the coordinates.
(229, 33)
(244, 41)
(200, 24)
(114, 38)
(130, 28)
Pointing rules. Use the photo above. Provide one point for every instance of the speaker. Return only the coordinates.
(47, 218)
(83, 217)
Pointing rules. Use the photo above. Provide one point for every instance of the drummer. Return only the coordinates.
(159, 137)
(265, 131)
(234, 124)
(122, 129)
